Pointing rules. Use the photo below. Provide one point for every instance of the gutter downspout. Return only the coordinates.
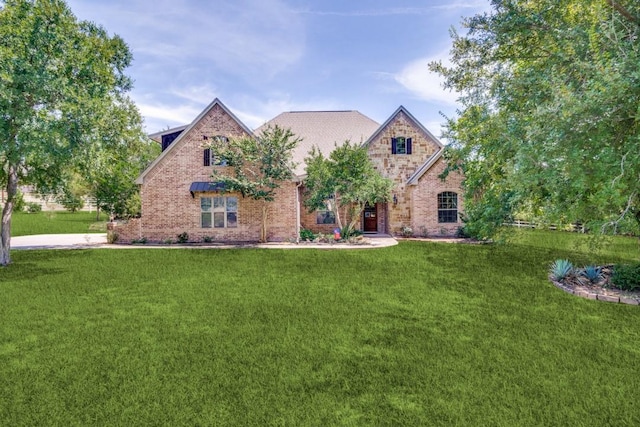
(298, 186)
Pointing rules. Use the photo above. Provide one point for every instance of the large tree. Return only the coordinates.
(259, 165)
(345, 179)
(59, 79)
(549, 124)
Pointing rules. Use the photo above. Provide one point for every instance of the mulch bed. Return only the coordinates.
(602, 290)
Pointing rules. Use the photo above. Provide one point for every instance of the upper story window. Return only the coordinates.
(209, 158)
(401, 145)
(447, 207)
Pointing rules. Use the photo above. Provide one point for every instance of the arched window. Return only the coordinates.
(447, 207)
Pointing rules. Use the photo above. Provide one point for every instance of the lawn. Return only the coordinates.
(418, 334)
(57, 222)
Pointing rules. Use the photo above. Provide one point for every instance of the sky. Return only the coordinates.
(265, 57)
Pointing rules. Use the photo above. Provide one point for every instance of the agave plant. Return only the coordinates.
(560, 269)
(592, 273)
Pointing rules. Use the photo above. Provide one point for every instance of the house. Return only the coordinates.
(178, 196)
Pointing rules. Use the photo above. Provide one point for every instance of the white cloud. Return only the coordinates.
(425, 84)
(427, 10)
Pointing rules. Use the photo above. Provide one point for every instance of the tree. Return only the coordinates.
(59, 79)
(345, 179)
(260, 165)
(549, 125)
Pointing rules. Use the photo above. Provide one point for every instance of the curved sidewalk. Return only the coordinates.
(99, 240)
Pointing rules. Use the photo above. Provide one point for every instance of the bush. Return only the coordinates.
(561, 269)
(207, 239)
(33, 207)
(141, 241)
(592, 273)
(307, 235)
(626, 277)
(18, 202)
(407, 231)
(112, 237)
(183, 237)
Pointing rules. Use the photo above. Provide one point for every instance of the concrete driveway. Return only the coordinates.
(59, 241)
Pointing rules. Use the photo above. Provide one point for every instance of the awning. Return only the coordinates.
(200, 187)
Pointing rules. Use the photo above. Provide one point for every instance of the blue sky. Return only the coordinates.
(263, 57)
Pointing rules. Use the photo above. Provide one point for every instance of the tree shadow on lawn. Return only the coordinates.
(34, 266)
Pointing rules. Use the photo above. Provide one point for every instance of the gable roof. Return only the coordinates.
(415, 121)
(157, 136)
(322, 129)
(187, 129)
(415, 177)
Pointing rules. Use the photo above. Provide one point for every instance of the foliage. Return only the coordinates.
(183, 237)
(301, 337)
(561, 269)
(626, 277)
(33, 207)
(18, 202)
(592, 273)
(112, 237)
(406, 231)
(550, 92)
(259, 165)
(207, 239)
(141, 241)
(62, 86)
(307, 235)
(345, 179)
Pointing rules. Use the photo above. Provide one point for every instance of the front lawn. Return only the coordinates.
(417, 334)
(57, 222)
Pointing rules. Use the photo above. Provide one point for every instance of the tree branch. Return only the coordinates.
(624, 12)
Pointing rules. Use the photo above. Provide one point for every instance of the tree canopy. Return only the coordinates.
(549, 127)
(344, 179)
(62, 83)
(260, 165)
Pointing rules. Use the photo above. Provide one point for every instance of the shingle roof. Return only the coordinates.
(323, 129)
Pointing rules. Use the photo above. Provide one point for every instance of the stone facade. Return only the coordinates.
(414, 206)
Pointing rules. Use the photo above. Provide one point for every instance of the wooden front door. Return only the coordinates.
(370, 218)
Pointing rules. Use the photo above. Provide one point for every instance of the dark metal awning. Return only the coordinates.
(200, 187)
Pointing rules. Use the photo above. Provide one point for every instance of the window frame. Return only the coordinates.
(216, 205)
(447, 207)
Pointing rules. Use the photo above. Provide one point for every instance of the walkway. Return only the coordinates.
(99, 240)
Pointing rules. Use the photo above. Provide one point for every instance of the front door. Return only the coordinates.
(370, 218)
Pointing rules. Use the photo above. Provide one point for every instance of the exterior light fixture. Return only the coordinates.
(395, 200)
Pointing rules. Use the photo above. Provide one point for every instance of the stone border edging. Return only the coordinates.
(592, 295)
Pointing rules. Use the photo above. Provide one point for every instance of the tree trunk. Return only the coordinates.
(97, 211)
(7, 210)
(263, 230)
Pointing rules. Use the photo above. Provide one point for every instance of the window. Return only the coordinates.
(219, 212)
(209, 158)
(325, 217)
(447, 207)
(401, 145)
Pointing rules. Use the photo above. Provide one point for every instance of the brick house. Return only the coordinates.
(178, 196)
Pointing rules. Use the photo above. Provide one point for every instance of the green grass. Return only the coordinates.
(57, 222)
(417, 334)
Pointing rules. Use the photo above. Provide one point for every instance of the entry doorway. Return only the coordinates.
(370, 223)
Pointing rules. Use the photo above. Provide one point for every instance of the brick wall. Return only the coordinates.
(424, 197)
(169, 209)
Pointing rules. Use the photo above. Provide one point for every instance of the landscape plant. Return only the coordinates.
(347, 180)
(548, 125)
(62, 85)
(259, 165)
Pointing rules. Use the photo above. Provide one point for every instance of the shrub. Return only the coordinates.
(626, 277)
(462, 233)
(168, 241)
(183, 237)
(141, 241)
(18, 202)
(560, 269)
(592, 273)
(112, 237)
(406, 231)
(33, 207)
(307, 235)
(207, 239)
